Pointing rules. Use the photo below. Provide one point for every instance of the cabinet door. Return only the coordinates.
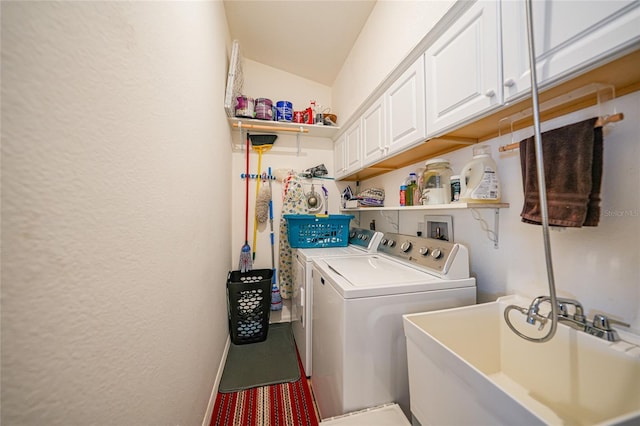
(568, 36)
(353, 160)
(373, 133)
(463, 69)
(405, 104)
(339, 156)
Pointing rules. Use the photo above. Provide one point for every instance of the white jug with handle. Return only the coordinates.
(479, 182)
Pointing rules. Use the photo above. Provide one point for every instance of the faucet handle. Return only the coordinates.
(602, 322)
(563, 311)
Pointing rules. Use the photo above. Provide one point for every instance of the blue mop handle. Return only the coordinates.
(273, 261)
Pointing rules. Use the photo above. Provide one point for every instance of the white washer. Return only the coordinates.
(359, 348)
(361, 241)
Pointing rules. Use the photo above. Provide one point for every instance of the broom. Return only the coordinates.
(261, 144)
(246, 263)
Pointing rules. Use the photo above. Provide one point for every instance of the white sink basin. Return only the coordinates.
(467, 368)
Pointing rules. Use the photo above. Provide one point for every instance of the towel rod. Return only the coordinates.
(270, 128)
(602, 121)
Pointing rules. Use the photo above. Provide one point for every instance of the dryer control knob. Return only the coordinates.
(352, 234)
(391, 243)
(383, 241)
(436, 253)
(424, 251)
(365, 237)
(406, 246)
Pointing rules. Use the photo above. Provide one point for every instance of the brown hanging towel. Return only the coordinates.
(573, 175)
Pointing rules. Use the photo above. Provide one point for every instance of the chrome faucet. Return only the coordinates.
(600, 326)
(533, 316)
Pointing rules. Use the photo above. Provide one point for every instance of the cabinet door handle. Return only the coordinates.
(490, 93)
(322, 280)
(509, 82)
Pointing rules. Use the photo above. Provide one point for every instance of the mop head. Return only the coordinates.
(262, 204)
(276, 299)
(246, 263)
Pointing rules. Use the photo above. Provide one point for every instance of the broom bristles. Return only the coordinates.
(246, 263)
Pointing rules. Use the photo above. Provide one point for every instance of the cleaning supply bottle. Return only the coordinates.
(412, 185)
(403, 195)
(479, 182)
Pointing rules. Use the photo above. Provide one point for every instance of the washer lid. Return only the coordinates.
(376, 271)
(376, 275)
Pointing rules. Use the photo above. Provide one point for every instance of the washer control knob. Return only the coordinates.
(391, 243)
(424, 251)
(383, 241)
(365, 237)
(406, 246)
(352, 234)
(436, 253)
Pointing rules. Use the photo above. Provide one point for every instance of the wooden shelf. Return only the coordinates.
(311, 130)
(456, 206)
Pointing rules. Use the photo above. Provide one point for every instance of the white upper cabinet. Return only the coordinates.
(463, 69)
(569, 37)
(374, 136)
(339, 157)
(405, 103)
(353, 159)
(346, 151)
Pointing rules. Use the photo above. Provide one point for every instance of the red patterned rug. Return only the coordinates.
(285, 404)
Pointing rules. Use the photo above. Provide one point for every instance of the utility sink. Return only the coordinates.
(467, 368)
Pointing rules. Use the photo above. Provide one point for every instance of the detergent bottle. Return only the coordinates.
(479, 182)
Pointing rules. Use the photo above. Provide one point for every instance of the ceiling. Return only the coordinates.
(308, 38)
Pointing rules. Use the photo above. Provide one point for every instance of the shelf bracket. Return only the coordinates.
(494, 234)
(496, 228)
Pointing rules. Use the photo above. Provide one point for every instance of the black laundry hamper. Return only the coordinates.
(249, 305)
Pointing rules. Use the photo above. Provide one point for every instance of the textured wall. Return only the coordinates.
(115, 251)
(393, 29)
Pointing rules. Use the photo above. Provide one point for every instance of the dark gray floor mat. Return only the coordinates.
(260, 364)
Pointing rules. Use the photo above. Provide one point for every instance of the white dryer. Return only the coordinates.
(359, 348)
(361, 241)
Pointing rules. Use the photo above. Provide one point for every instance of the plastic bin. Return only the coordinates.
(315, 231)
(249, 305)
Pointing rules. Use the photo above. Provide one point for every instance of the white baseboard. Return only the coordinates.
(214, 392)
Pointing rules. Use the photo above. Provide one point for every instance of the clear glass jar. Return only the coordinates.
(436, 185)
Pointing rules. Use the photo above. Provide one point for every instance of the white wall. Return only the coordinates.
(115, 152)
(281, 156)
(600, 266)
(263, 81)
(393, 29)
